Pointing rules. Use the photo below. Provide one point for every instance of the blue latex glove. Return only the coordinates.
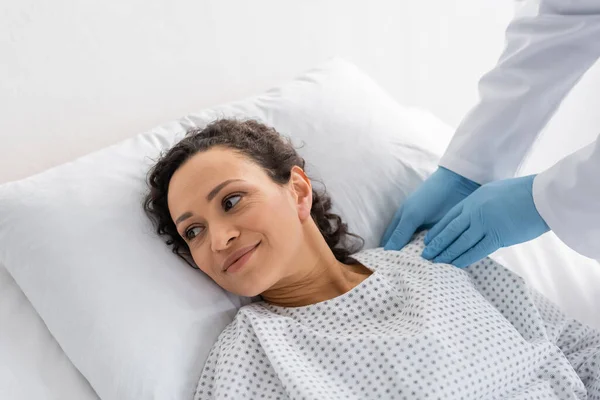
(426, 206)
(498, 214)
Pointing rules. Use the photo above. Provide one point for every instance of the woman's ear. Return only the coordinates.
(302, 188)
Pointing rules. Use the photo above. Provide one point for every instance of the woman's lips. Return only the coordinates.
(240, 262)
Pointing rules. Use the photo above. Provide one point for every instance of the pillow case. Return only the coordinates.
(135, 319)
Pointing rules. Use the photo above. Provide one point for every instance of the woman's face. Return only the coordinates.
(222, 204)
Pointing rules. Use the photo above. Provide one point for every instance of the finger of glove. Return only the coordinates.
(464, 243)
(392, 226)
(485, 247)
(443, 223)
(402, 234)
(446, 237)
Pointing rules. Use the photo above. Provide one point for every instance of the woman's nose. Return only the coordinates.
(222, 237)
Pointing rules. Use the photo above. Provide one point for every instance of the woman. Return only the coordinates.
(335, 322)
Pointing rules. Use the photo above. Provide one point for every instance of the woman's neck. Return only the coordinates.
(316, 275)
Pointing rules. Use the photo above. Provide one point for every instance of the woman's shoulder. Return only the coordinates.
(256, 314)
(256, 310)
(378, 259)
(242, 324)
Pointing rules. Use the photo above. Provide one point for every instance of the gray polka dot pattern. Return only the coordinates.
(411, 330)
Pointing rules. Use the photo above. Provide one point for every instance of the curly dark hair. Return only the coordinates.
(264, 146)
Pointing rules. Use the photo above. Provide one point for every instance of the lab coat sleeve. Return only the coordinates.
(567, 196)
(545, 55)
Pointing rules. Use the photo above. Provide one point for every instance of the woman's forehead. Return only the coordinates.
(213, 164)
(207, 169)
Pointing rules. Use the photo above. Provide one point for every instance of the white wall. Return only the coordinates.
(77, 75)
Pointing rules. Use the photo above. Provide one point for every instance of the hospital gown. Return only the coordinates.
(411, 330)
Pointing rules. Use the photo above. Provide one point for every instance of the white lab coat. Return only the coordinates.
(545, 56)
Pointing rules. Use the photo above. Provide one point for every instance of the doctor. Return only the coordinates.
(472, 203)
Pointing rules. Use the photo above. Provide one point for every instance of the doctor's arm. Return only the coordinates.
(564, 198)
(567, 196)
(544, 57)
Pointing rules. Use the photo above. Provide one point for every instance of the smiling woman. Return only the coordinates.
(234, 201)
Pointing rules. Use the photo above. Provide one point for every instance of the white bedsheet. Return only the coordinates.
(32, 364)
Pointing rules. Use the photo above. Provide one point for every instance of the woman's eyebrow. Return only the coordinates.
(218, 188)
(211, 195)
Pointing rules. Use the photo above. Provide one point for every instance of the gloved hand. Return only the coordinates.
(498, 214)
(426, 206)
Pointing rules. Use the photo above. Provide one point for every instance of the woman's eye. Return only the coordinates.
(188, 234)
(230, 202)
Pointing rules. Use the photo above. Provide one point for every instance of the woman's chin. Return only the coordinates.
(251, 285)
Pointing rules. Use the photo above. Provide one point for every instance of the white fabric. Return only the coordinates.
(564, 276)
(32, 365)
(131, 316)
(545, 55)
(410, 330)
(567, 196)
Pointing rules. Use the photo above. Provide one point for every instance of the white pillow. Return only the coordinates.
(136, 320)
